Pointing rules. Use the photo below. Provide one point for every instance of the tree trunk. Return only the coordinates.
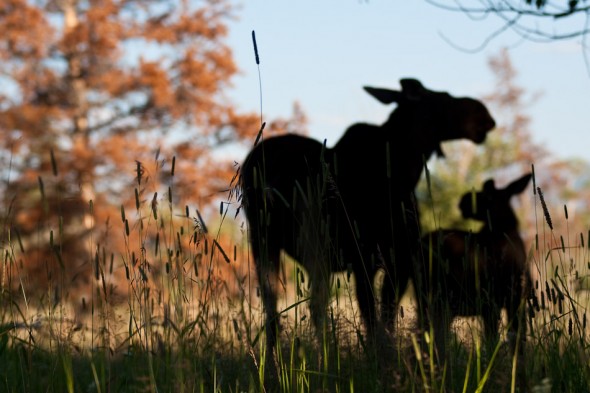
(80, 134)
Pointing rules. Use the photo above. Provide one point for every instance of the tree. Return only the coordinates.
(532, 19)
(96, 99)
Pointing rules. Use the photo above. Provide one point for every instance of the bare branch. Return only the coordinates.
(486, 41)
(521, 18)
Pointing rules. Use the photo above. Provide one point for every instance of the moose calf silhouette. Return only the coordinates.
(350, 206)
(477, 274)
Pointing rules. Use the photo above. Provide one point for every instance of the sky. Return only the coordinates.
(320, 53)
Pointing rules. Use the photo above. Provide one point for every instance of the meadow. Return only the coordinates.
(179, 311)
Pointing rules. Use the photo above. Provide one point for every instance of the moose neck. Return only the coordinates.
(502, 223)
(411, 145)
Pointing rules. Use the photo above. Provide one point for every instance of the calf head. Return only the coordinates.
(491, 202)
(436, 116)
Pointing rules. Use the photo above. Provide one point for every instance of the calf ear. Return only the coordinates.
(518, 186)
(385, 96)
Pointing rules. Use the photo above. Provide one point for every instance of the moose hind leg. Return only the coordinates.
(391, 293)
(491, 318)
(366, 300)
(267, 269)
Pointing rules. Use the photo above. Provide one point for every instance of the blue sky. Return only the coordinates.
(320, 53)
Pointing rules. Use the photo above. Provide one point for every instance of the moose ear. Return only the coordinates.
(412, 88)
(384, 96)
(518, 186)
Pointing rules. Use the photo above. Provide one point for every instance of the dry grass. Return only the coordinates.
(188, 318)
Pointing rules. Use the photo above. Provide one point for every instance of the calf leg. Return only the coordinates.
(441, 319)
(517, 339)
(491, 316)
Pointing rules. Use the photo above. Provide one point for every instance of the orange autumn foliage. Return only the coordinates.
(96, 101)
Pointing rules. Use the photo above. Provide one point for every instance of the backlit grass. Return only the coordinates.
(178, 311)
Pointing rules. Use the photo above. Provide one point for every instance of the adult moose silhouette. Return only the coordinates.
(477, 274)
(350, 206)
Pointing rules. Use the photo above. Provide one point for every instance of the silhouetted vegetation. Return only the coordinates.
(318, 204)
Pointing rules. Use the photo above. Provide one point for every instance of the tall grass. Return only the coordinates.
(177, 310)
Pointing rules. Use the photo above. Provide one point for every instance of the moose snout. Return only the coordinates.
(489, 125)
(485, 126)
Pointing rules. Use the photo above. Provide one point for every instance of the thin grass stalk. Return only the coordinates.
(485, 378)
(97, 382)
(420, 363)
(467, 371)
